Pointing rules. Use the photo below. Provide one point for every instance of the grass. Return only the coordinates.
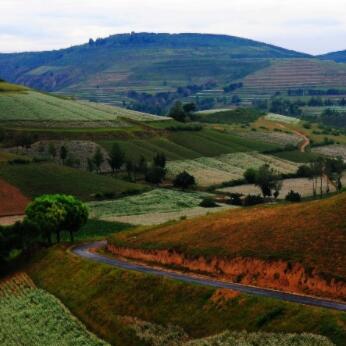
(210, 171)
(100, 295)
(158, 200)
(309, 233)
(31, 316)
(97, 229)
(40, 178)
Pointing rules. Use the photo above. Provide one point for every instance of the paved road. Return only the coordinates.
(83, 251)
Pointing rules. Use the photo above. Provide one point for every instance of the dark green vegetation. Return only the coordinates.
(97, 229)
(240, 115)
(35, 179)
(296, 156)
(179, 145)
(100, 296)
(339, 56)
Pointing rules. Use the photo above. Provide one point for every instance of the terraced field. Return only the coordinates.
(332, 150)
(31, 316)
(282, 118)
(210, 171)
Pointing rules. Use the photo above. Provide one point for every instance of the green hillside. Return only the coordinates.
(22, 106)
(106, 69)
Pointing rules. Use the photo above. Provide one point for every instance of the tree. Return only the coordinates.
(56, 213)
(129, 169)
(189, 108)
(250, 175)
(155, 175)
(116, 157)
(266, 180)
(98, 159)
(177, 112)
(160, 160)
(52, 150)
(184, 180)
(47, 214)
(142, 166)
(63, 153)
(90, 164)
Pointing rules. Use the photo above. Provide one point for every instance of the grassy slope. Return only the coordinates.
(311, 233)
(99, 298)
(40, 178)
(20, 104)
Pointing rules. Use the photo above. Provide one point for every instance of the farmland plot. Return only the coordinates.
(210, 171)
(301, 185)
(153, 207)
(31, 316)
(332, 150)
(282, 118)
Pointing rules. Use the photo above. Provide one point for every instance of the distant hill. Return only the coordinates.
(336, 56)
(143, 62)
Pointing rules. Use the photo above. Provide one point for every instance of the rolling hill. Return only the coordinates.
(339, 56)
(142, 62)
(285, 247)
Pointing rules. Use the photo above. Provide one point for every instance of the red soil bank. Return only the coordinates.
(12, 201)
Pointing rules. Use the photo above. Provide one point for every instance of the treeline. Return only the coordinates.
(45, 217)
(160, 103)
(316, 92)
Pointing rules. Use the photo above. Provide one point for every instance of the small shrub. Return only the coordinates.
(19, 162)
(250, 200)
(293, 196)
(208, 203)
(235, 199)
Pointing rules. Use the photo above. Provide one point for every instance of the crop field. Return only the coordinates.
(40, 178)
(158, 200)
(31, 316)
(189, 145)
(210, 171)
(46, 110)
(282, 118)
(297, 156)
(301, 185)
(331, 150)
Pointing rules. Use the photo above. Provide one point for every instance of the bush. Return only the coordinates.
(253, 200)
(235, 199)
(208, 203)
(184, 180)
(293, 197)
(19, 162)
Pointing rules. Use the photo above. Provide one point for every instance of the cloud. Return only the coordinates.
(305, 25)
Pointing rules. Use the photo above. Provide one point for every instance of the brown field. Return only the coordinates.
(284, 247)
(12, 201)
(332, 150)
(301, 185)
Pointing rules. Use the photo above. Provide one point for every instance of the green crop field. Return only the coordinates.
(40, 178)
(182, 145)
(158, 200)
(31, 316)
(46, 110)
(210, 171)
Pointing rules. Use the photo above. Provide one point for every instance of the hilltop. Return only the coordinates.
(339, 56)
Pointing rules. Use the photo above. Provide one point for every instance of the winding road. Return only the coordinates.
(84, 251)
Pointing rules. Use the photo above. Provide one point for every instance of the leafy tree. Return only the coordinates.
(189, 108)
(142, 166)
(47, 214)
(155, 175)
(250, 175)
(116, 157)
(90, 164)
(184, 180)
(130, 169)
(266, 180)
(63, 153)
(177, 112)
(98, 159)
(293, 196)
(160, 160)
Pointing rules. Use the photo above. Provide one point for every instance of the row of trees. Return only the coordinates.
(46, 216)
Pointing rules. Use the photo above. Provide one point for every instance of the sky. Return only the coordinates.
(311, 26)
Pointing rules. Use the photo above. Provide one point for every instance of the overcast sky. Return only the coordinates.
(312, 26)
